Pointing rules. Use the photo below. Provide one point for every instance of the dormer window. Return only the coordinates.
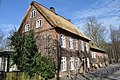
(27, 27)
(70, 43)
(33, 13)
(39, 23)
(63, 41)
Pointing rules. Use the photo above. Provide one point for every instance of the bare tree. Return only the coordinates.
(115, 42)
(95, 31)
(1, 37)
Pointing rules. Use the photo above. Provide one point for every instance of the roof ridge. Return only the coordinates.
(50, 10)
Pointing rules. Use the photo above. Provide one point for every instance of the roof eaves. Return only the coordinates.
(94, 46)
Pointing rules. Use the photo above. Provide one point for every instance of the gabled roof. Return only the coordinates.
(95, 47)
(57, 21)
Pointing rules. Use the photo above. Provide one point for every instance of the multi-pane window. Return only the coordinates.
(70, 43)
(39, 23)
(76, 52)
(82, 45)
(93, 54)
(33, 13)
(77, 63)
(27, 27)
(87, 46)
(63, 64)
(76, 45)
(63, 41)
(77, 58)
(88, 63)
(1, 63)
(71, 63)
(83, 61)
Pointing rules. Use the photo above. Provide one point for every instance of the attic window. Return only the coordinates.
(33, 13)
(39, 23)
(27, 27)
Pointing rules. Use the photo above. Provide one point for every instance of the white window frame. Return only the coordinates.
(63, 64)
(77, 62)
(27, 27)
(70, 43)
(6, 64)
(1, 63)
(39, 23)
(63, 41)
(82, 45)
(71, 63)
(93, 54)
(88, 62)
(87, 46)
(76, 44)
(33, 14)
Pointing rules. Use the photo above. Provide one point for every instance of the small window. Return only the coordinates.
(93, 55)
(27, 27)
(63, 64)
(39, 23)
(63, 41)
(33, 14)
(70, 43)
(82, 45)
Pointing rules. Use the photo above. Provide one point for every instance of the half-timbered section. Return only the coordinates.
(99, 58)
(57, 38)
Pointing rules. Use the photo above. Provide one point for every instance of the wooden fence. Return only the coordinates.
(20, 76)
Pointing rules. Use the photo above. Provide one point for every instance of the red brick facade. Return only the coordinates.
(48, 43)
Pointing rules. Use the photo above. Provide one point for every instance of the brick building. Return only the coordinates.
(58, 38)
(99, 57)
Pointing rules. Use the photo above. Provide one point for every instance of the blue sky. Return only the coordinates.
(106, 11)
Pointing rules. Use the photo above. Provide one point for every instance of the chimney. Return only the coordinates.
(52, 9)
(69, 20)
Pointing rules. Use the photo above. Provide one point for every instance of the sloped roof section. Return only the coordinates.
(58, 21)
(94, 46)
